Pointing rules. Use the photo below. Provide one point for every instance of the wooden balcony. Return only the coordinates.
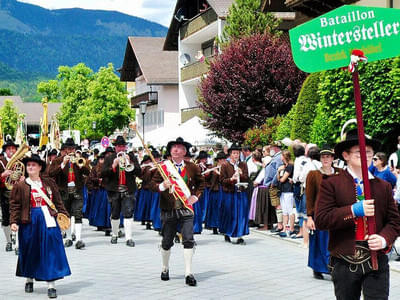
(198, 22)
(150, 97)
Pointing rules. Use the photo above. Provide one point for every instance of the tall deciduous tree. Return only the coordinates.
(246, 19)
(49, 90)
(107, 105)
(253, 79)
(9, 118)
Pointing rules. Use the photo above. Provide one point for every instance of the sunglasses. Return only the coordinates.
(375, 159)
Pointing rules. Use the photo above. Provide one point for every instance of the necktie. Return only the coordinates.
(179, 167)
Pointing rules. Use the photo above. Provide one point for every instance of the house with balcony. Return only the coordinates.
(152, 78)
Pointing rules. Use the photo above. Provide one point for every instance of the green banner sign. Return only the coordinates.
(326, 42)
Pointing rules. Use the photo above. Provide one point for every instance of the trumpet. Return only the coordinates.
(78, 160)
(124, 161)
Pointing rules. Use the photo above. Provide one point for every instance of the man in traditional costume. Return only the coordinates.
(180, 188)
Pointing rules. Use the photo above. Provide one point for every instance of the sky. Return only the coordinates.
(159, 11)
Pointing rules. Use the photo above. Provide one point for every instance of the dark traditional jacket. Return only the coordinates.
(227, 171)
(333, 212)
(195, 183)
(20, 201)
(214, 181)
(94, 180)
(61, 175)
(147, 174)
(111, 176)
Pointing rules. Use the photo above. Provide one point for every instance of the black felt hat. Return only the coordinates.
(145, 158)
(220, 155)
(203, 154)
(326, 149)
(234, 146)
(69, 142)
(119, 141)
(109, 150)
(9, 143)
(52, 152)
(351, 139)
(35, 158)
(178, 141)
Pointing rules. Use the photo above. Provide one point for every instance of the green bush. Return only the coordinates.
(285, 127)
(264, 135)
(380, 93)
(305, 111)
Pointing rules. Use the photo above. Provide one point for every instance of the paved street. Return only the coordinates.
(266, 268)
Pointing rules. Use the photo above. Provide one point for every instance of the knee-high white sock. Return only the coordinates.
(7, 233)
(51, 284)
(188, 255)
(72, 225)
(114, 227)
(128, 228)
(165, 254)
(78, 231)
(16, 240)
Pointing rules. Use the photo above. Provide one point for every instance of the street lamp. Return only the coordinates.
(142, 109)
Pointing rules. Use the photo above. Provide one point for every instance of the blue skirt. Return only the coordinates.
(86, 202)
(234, 220)
(198, 218)
(204, 198)
(213, 209)
(155, 213)
(143, 205)
(41, 250)
(100, 212)
(318, 255)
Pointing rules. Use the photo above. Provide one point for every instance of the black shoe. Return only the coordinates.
(190, 280)
(240, 241)
(177, 240)
(165, 275)
(107, 232)
(64, 235)
(114, 240)
(52, 293)
(29, 287)
(79, 245)
(9, 247)
(130, 243)
(121, 234)
(73, 237)
(227, 239)
(398, 258)
(148, 226)
(68, 243)
(318, 275)
(16, 251)
(215, 230)
(143, 223)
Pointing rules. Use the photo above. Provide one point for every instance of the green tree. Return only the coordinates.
(380, 93)
(74, 83)
(245, 19)
(5, 92)
(264, 135)
(50, 90)
(107, 105)
(285, 127)
(9, 118)
(305, 112)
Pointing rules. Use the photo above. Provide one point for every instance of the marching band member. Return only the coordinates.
(145, 195)
(155, 213)
(235, 220)
(186, 184)
(120, 184)
(41, 253)
(215, 198)
(9, 149)
(70, 179)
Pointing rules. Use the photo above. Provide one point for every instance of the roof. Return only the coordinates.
(221, 8)
(145, 56)
(32, 110)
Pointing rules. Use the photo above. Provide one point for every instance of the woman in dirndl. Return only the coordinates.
(41, 251)
(235, 213)
(318, 255)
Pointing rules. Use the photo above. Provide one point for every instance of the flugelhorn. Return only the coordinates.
(78, 160)
(124, 161)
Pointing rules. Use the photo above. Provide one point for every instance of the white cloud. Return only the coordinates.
(159, 11)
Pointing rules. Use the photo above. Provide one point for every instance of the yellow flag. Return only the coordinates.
(44, 125)
(1, 134)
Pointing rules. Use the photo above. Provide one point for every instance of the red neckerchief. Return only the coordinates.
(71, 174)
(122, 177)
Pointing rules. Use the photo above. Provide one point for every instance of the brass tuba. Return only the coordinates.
(16, 166)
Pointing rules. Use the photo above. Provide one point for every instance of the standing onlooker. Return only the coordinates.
(285, 179)
(381, 170)
(271, 182)
(298, 186)
(394, 158)
(266, 155)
